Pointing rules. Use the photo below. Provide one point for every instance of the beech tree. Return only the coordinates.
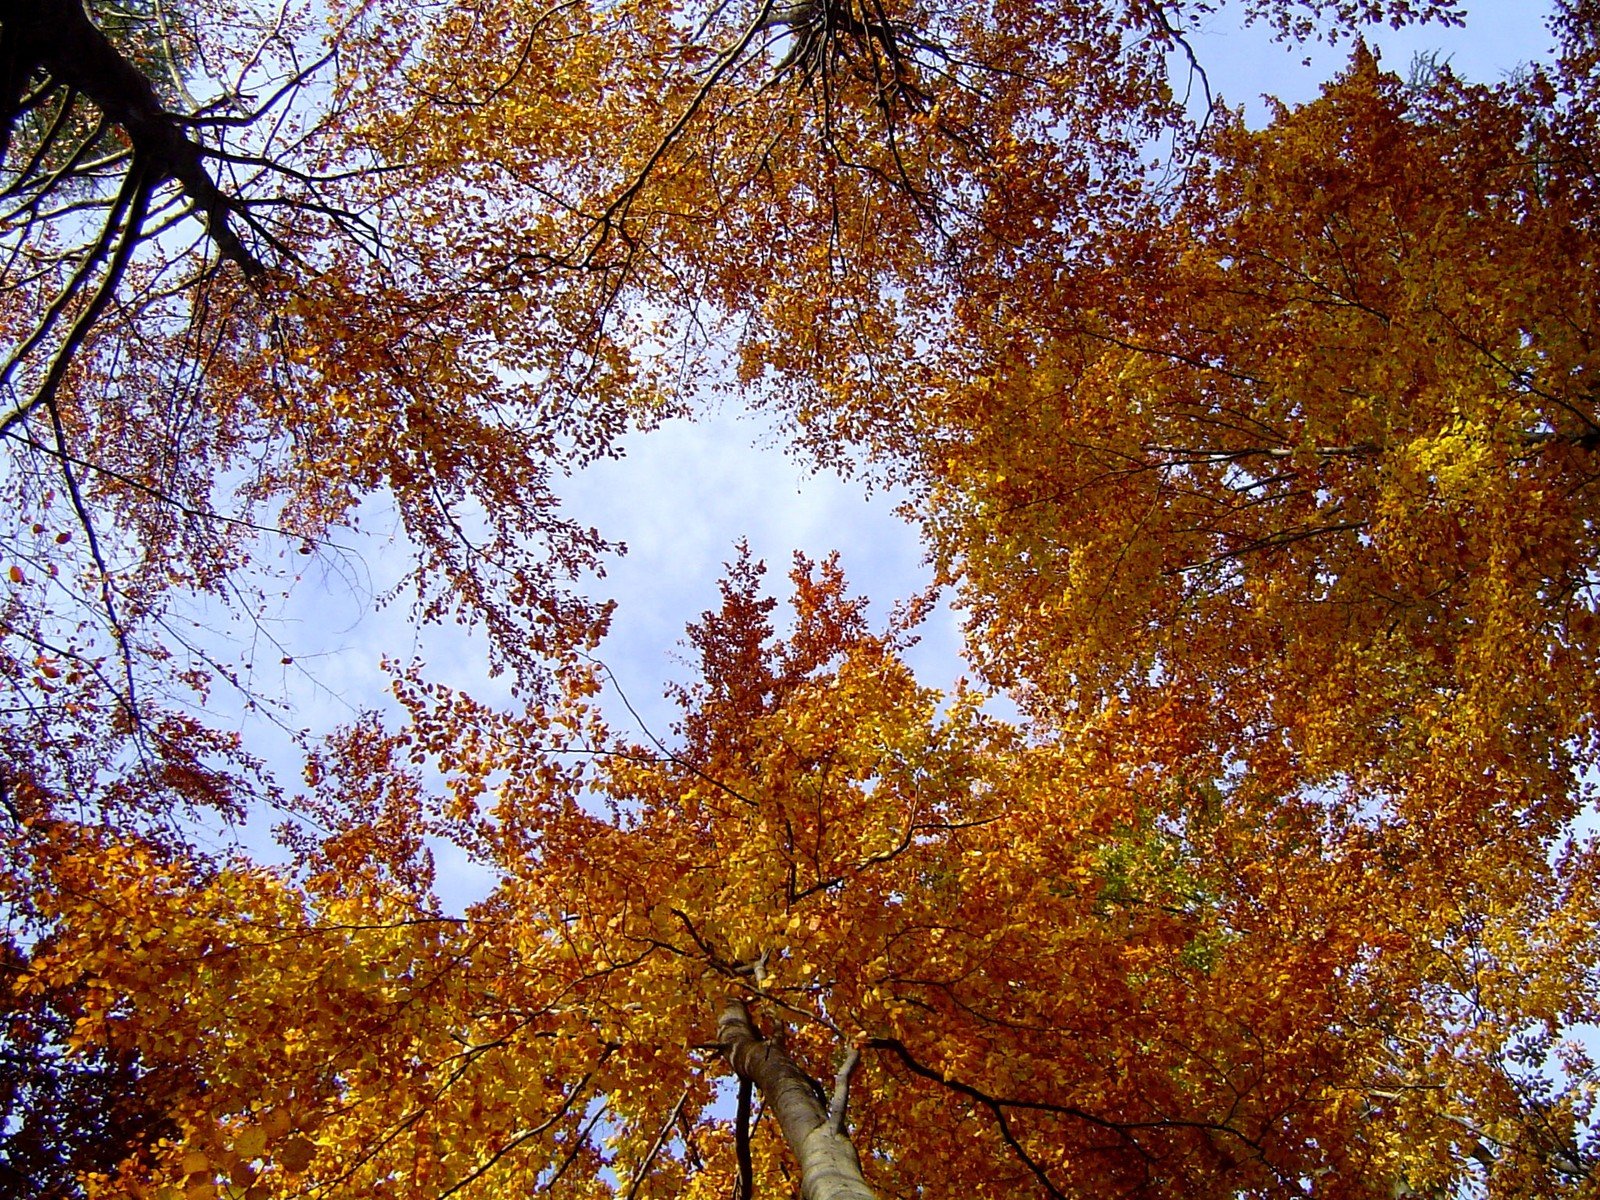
(1060, 976)
(1261, 459)
(214, 350)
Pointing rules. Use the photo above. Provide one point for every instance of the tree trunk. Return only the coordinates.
(829, 1169)
(58, 37)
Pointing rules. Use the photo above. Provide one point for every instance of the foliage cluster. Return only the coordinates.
(1260, 457)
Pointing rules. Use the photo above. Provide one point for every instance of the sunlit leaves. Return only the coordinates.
(1261, 461)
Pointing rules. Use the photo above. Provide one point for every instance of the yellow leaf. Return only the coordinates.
(251, 1142)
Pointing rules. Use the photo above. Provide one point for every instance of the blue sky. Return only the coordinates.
(1498, 36)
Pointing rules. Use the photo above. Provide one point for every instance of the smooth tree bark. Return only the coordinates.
(829, 1168)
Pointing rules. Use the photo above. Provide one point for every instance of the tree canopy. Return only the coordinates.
(1258, 456)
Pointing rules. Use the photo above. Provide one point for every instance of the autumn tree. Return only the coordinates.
(1259, 457)
(227, 322)
(1059, 978)
(1306, 490)
(223, 331)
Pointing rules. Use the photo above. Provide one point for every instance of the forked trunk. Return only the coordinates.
(829, 1168)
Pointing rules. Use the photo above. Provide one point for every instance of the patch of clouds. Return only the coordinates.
(682, 496)
(1247, 64)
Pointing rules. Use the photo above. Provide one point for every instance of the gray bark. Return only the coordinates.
(829, 1168)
